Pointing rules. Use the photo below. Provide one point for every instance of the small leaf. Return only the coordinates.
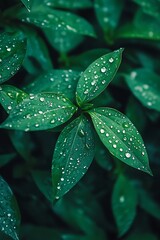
(57, 81)
(9, 211)
(145, 85)
(124, 203)
(70, 4)
(121, 137)
(45, 17)
(27, 4)
(73, 155)
(40, 112)
(12, 52)
(10, 97)
(97, 76)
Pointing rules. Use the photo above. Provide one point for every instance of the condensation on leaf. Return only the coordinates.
(27, 4)
(70, 4)
(121, 137)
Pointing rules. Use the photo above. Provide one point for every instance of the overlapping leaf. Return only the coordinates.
(40, 112)
(27, 4)
(10, 97)
(124, 203)
(12, 53)
(45, 17)
(58, 81)
(9, 211)
(121, 137)
(73, 155)
(97, 76)
(145, 85)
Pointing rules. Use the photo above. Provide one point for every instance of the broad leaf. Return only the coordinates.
(58, 81)
(63, 40)
(45, 17)
(145, 85)
(27, 4)
(40, 112)
(73, 155)
(121, 137)
(151, 7)
(124, 203)
(12, 52)
(70, 4)
(9, 211)
(97, 76)
(10, 97)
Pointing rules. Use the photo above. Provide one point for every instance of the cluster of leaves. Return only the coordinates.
(58, 106)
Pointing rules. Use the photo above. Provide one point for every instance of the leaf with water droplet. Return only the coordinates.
(40, 112)
(97, 76)
(27, 4)
(45, 17)
(58, 81)
(9, 211)
(108, 13)
(124, 203)
(12, 53)
(70, 4)
(145, 85)
(10, 97)
(121, 137)
(73, 155)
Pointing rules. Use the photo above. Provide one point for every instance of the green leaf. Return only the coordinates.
(58, 81)
(73, 155)
(145, 85)
(108, 13)
(27, 4)
(124, 203)
(151, 7)
(13, 49)
(37, 55)
(63, 40)
(45, 17)
(6, 158)
(70, 4)
(140, 236)
(10, 97)
(97, 76)
(40, 112)
(121, 137)
(9, 211)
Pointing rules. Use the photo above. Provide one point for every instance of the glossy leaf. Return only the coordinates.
(58, 81)
(70, 4)
(40, 112)
(45, 17)
(73, 155)
(151, 7)
(124, 203)
(108, 13)
(9, 211)
(121, 137)
(6, 158)
(10, 97)
(97, 76)
(12, 52)
(145, 85)
(27, 4)
(63, 40)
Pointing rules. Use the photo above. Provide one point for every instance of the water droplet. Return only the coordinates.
(111, 60)
(41, 99)
(103, 69)
(128, 155)
(121, 199)
(102, 130)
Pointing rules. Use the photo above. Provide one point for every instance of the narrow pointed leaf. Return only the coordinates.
(40, 112)
(121, 137)
(10, 97)
(145, 85)
(12, 52)
(97, 76)
(124, 203)
(73, 155)
(9, 211)
(45, 17)
(27, 4)
(58, 81)
(70, 4)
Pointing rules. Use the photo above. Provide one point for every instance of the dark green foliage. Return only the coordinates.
(82, 77)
